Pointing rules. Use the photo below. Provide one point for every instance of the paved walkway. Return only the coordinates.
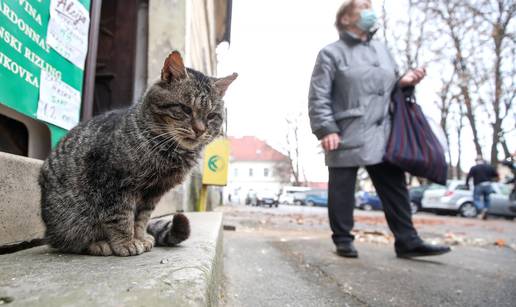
(285, 258)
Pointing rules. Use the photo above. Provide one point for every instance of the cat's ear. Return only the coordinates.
(222, 84)
(174, 68)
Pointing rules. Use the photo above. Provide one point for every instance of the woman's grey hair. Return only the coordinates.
(343, 9)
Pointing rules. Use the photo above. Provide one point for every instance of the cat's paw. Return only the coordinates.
(128, 248)
(100, 248)
(148, 242)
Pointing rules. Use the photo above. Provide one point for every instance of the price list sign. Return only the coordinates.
(43, 47)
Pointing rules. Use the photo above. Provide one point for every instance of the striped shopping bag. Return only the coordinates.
(412, 144)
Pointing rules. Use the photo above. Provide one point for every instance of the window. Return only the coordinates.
(504, 189)
(462, 187)
(250, 172)
(265, 172)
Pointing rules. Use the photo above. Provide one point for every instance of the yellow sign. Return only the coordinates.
(216, 163)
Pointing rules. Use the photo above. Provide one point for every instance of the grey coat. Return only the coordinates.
(350, 95)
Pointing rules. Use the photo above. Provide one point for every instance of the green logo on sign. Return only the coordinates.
(215, 163)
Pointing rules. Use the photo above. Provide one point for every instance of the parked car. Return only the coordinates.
(416, 195)
(288, 192)
(444, 199)
(299, 198)
(368, 201)
(456, 197)
(317, 198)
(267, 198)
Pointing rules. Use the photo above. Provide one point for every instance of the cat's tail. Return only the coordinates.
(171, 232)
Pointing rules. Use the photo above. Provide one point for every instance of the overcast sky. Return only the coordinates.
(273, 48)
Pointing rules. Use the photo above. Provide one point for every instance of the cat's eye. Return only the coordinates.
(186, 110)
(212, 116)
(169, 105)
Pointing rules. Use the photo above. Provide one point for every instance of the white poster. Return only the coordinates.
(59, 103)
(68, 30)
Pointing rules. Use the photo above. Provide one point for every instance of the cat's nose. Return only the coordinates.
(198, 127)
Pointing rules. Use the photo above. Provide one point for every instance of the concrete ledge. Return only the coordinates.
(187, 275)
(20, 218)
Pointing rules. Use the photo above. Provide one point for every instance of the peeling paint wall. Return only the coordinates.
(189, 27)
(184, 25)
(167, 32)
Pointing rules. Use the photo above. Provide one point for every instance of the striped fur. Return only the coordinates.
(169, 232)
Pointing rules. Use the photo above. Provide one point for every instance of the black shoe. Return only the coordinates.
(484, 215)
(422, 250)
(347, 250)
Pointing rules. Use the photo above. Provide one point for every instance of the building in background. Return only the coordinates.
(322, 185)
(255, 166)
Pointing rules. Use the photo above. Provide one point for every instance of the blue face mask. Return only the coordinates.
(367, 20)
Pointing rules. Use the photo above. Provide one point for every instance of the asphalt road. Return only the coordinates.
(285, 258)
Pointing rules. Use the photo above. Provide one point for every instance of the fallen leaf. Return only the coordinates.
(500, 242)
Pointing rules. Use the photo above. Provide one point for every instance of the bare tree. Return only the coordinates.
(282, 171)
(444, 104)
(459, 126)
(460, 29)
(474, 42)
(407, 44)
(496, 25)
(292, 149)
(412, 39)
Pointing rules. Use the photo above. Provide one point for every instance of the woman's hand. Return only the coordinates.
(413, 77)
(330, 142)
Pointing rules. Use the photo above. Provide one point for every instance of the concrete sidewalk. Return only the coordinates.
(270, 269)
(285, 257)
(186, 275)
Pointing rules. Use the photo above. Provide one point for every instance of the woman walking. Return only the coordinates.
(349, 103)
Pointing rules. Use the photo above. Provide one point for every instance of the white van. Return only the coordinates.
(287, 194)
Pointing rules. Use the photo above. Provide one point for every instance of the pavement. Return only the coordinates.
(284, 257)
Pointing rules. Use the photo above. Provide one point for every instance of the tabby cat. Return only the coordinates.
(101, 183)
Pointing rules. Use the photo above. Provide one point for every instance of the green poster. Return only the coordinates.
(30, 59)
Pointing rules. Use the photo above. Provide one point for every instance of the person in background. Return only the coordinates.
(348, 105)
(483, 174)
(509, 163)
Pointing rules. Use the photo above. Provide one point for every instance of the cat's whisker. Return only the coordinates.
(148, 179)
(171, 141)
(148, 141)
(158, 145)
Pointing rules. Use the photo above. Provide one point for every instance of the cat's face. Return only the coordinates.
(187, 105)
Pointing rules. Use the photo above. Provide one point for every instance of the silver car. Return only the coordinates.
(456, 197)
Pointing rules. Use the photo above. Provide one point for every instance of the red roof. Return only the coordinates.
(318, 185)
(250, 148)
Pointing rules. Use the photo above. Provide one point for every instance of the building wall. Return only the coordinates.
(184, 25)
(167, 32)
(189, 27)
(240, 180)
(252, 172)
(200, 36)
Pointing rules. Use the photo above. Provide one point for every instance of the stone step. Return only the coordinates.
(20, 213)
(187, 275)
